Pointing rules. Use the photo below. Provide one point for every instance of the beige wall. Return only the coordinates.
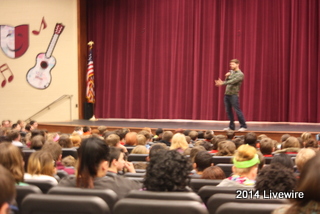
(18, 99)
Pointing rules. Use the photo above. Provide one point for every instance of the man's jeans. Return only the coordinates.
(233, 101)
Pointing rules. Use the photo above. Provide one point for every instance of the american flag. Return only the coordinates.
(90, 79)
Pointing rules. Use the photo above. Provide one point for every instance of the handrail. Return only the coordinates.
(48, 106)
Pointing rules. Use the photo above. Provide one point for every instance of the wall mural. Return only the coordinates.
(14, 44)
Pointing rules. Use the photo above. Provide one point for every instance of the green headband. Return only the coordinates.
(246, 164)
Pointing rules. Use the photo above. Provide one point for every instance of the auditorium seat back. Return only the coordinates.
(197, 183)
(249, 208)
(137, 157)
(23, 191)
(226, 168)
(70, 151)
(221, 159)
(44, 185)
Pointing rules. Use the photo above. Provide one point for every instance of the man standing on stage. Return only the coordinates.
(233, 81)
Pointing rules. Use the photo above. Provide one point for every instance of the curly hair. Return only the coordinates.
(167, 171)
(277, 178)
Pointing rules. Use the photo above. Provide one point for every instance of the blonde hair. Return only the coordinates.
(303, 156)
(140, 150)
(76, 140)
(41, 163)
(244, 153)
(179, 141)
(69, 161)
(306, 136)
(142, 140)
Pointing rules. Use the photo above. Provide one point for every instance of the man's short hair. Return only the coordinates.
(230, 134)
(266, 146)
(156, 147)
(193, 135)
(208, 135)
(112, 140)
(13, 134)
(167, 136)
(86, 129)
(251, 139)
(235, 61)
(203, 160)
(54, 148)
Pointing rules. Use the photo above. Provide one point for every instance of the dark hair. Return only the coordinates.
(213, 172)
(200, 134)
(208, 135)
(155, 148)
(159, 131)
(37, 142)
(308, 183)
(194, 151)
(251, 139)
(266, 146)
(7, 186)
(186, 132)
(13, 134)
(284, 137)
(168, 170)
(36, 132)
(167, 136)
(230, 134)
(86, 129)
(114, 154)
(312, 143)
(283, 159)
(238, 142)
(32, 122)
(275, 177)
(27, 127)
(90, 154)
(203, 160)
(14, 125)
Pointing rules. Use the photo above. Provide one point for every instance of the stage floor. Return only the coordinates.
(193, 125)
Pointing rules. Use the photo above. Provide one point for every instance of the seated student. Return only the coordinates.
(41, 166)
(251, 139)
(65, 141)
(208, 135)
(75, 139)
(290, 146)
(226, 148)
(303, 156)
(266, 147)
(113, 140)
(283, 159)
(93, 165)
(131, 139)
(166, 138)
(117, 162)
(8, 190)
(179, 143)
(194, 136)
(15, 137)
(11, 158)
(238, 141)
(202, 161)
(230, 134)
(213, 172)
(194, 151)
(167, 171)
(158, 135)
(37, 142)
(312, 143)
(309, 185)
(245, 168)
(140, 150)
(276, 178)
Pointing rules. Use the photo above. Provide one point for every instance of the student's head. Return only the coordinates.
(311, 143)
(155, 148)
(291, 142)
(146, 134)
(122, 133)
(116, 159)
(76, 140)
(234, 64)
(8, 190)
(179, 142)
(54, 148)
(246, 161)
(159, 131)
(69, 161)
(11, 158)
(33, 124)
(140, 150)
(238, 142)
(226, 148)
(131, 139)
(193, 135)
(102, 129)
(213, 172)
(305, 136)
(308, 183)
(283, 159)
(208, 135)
(266, 146)
(230, 134)
(167, 136)
(250, 138)
(202, 160)
(207, 145)
(275, 177)
(65, 141)
(112, 140)
(35, 132)
(284, 137)
(41, 163)
(167, 171)
(37, 142)
(13, 135)
(93, 156)
(303, 156)
(141, 139)
(194, 151)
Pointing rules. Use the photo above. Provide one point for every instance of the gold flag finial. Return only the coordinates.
(91, 43)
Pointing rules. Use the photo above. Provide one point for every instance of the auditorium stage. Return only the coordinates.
(272, 129)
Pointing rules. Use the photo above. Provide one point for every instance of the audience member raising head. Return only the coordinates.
(167, 171)
(213, 172)
(179, 143)
(11, 158)
(245, 168)
(93, 157)
(8, 190)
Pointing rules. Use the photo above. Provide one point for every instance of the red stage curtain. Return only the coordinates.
(159, 58)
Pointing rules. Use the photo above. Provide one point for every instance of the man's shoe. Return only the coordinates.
(226, 129)
(242, 129)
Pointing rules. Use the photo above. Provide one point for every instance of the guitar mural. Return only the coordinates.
(40, 75)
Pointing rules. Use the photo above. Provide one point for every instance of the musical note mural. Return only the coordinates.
(4, 68)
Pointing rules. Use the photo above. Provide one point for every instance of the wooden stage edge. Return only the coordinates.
(273, 130)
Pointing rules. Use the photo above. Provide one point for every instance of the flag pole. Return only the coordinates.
(93, 118)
